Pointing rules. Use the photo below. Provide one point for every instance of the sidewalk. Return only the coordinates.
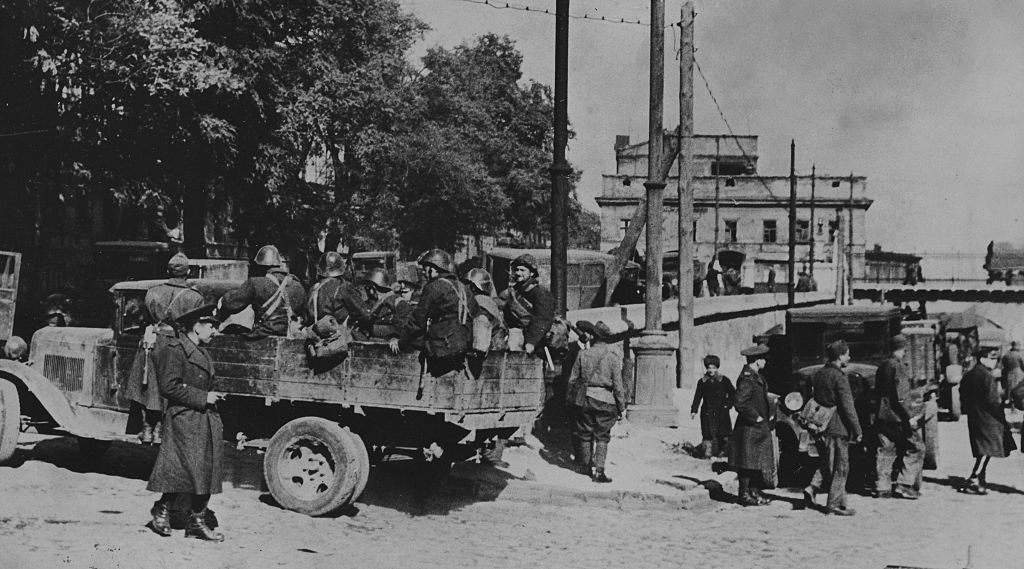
(651, 468)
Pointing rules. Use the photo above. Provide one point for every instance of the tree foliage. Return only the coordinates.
(178, 109)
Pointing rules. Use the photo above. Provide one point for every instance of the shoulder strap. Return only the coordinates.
(170, 305)
(460, 294)
(275, 299)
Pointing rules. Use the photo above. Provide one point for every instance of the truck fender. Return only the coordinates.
(50, 397)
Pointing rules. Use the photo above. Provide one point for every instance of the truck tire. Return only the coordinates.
(10, 419)
(954, 403)
(931, 435)
(364, 466)
(312, 466)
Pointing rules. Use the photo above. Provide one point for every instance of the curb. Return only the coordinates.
(548, 494)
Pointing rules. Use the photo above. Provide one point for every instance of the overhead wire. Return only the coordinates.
(548, 11)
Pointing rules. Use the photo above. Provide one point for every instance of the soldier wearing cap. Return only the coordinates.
(981, 401)
(831, 388)
(597, 398)
(164, 304)
(390, 313)
(191, 456)
(277, 298)
(900, 460)
(442, 316)
(752, 453)
(333, 295)
(529, 307)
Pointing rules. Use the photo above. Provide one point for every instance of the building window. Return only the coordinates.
(771, 231)
(730, 182)
(803, 231)
(730, 231)
(693, 235)
(623, 225)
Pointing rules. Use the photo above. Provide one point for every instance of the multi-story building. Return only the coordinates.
(737, 209)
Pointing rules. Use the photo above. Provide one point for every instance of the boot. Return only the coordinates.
(197, 528)
(161, 523)
(598, 475)
(581, 452)
(146, 436)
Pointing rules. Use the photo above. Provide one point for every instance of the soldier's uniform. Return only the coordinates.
(529, 307)
(390, 316)
(442, 316)
(164, 304)
(276, 299)
(336, 297)
(752, 453)
(597, 397)
(900, 444)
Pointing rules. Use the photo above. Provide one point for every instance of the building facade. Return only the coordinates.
(737, 209)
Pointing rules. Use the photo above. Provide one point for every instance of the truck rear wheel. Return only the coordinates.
(10, 419)
(364, 466)
(312, 466)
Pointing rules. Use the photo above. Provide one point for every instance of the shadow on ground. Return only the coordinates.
(958, 482)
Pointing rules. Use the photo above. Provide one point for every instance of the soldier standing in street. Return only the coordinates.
(981, 400)
(529, 307)
(831, 388)
(276, 298)
(442, 316)
(191, 456)
(164, 304)
(900, 443)
(753, 454)
(599, 399)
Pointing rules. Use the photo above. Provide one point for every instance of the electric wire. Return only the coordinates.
(548, 11)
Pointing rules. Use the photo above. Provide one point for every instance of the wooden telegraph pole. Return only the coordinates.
(654, 358)
(849, 248)
(810, 254)
(791, 287)
(685, 191)
(560, 169)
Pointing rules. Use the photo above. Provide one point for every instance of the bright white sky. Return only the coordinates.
(922, 97)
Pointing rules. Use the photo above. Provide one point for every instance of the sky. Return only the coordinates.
(922, 97)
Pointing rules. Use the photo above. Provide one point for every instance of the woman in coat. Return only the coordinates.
(190, 457)
(753, 454)
(981, 401)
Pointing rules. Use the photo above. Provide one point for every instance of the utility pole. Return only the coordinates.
(654, 357)
(560, 169)
(718, 195)
(684, 352)
(811, 253)
(849, 249)
(791, 286)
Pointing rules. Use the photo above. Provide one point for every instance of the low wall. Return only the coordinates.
(724, 324)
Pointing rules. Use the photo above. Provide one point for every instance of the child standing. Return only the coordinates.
(718, 395)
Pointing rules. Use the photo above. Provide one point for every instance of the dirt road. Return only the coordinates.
(58, 512)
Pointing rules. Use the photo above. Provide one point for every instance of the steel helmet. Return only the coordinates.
(268, 256)
(481, 279)
(15, 348)
(379, 278)
(177, 266)
(526, 260)
(331, 264)
(436, 258)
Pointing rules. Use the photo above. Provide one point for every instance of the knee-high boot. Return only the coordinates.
(582, 453)
(600, 454)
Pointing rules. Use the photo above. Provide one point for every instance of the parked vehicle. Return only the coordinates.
(867, 330)
(317, 424)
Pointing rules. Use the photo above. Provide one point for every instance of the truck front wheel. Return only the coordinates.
(10, 419)
(312, 466)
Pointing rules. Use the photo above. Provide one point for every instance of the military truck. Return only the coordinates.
(318, 424)
(867, 329)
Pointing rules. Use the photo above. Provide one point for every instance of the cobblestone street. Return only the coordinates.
(59, 512)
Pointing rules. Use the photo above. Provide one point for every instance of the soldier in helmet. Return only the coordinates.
(334, 295)
(443, 314)
(488, 319)
(277, 298)
(164, 304)
(390, 314)
(529, 307)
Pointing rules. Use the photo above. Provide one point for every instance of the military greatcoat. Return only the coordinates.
(752, 447)
(191, 454)
(164, 304)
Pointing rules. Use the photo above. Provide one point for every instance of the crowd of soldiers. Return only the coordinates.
(454, 320)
